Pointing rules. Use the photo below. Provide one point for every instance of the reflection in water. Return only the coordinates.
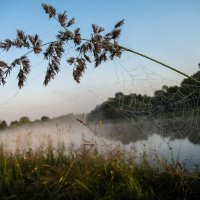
(131, 131)
(181, 150)
(123, 134)
(174, 139)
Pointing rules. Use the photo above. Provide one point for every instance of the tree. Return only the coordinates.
(3, 125)
(14, 123)
(165, 88)
(164, 97)
(24, 120)
(44, 118)
(99, 48)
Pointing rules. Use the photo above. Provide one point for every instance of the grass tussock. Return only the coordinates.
(85, 173)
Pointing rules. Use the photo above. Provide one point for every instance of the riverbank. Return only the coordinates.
(84, 173)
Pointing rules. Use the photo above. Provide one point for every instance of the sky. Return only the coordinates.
(166, 30)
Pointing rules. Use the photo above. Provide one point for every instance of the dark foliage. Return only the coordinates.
(163, 105)
(111, 109)
(24, 120)
(45, 118)
(3, 125)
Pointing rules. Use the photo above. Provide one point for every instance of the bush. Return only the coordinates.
(24, 120)
(3, 125)
(44, 118)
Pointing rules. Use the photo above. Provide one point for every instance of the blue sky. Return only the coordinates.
(167, 30)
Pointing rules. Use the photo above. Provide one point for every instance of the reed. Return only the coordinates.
(86, 173)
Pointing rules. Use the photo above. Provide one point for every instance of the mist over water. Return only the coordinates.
(102, 136)
(169, 144)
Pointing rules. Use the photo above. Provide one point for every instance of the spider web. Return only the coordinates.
(175, 114)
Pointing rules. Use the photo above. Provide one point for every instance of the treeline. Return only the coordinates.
(168, 99)
(22, 121)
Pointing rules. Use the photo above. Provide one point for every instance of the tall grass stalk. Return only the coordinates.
(85, 173)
